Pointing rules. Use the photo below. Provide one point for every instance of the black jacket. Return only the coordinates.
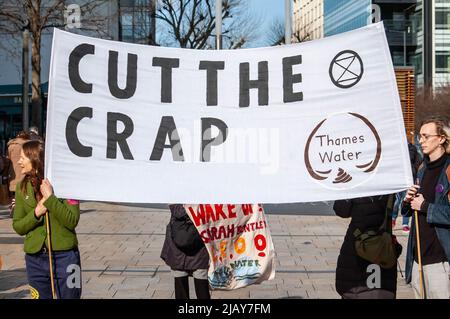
(174, 257)
(367, 213)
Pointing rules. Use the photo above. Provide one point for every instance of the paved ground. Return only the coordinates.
(120, 248)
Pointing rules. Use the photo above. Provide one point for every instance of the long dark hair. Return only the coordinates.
(34, 150)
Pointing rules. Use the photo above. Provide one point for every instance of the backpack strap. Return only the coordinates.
(386, 225)
(421, 166)
(448, 178)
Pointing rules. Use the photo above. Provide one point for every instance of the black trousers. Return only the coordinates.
(182, 288)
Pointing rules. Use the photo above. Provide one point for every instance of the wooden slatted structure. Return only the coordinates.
(406, 90)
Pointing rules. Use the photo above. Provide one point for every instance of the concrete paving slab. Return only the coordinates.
(120, 247)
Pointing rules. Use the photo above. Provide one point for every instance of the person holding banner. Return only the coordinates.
(427, 268)
(415, 162)
(186, 254)
(356, 277)
(34, 199)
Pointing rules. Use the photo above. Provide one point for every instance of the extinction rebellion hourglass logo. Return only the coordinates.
(346, 69)
(341, 158)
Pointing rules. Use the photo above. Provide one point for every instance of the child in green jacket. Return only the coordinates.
(35, 202)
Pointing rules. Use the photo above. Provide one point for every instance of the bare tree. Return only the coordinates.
(191, 23)
(17, 15)
(38, 16)
(428, 103)
(276, 34)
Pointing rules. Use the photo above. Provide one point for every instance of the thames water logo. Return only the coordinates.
(346, 69)
(341, 158)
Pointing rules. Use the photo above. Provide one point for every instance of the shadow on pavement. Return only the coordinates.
(12, 279)
(15, 295)
(4, 214)
(313, 208)
(86, 211)
(11, 240)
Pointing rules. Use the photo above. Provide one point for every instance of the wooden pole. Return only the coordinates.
(419, 257)
(49, 243)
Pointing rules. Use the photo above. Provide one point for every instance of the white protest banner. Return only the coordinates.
(315, 121)
(238, 241)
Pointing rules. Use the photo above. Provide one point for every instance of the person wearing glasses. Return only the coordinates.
(430, 198)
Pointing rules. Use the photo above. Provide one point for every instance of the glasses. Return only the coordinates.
(425, 137)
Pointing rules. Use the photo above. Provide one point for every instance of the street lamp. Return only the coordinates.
(287, 21)
(218, 24)
(25, 72)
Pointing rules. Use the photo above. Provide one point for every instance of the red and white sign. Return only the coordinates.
(238, 241)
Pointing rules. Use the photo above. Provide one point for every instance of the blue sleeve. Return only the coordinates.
(407, 211)
(397, 204)
(439, 214)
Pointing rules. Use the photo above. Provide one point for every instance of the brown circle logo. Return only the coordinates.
(343, 151)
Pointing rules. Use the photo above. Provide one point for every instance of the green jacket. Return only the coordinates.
(64, 218)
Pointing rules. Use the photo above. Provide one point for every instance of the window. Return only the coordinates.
(443, 62)
(416, 61)
(127, 25)
(443, 18)
(398, 58)
(135, 21)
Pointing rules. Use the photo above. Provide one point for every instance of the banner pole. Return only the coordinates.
(419, 258)
(49, 243)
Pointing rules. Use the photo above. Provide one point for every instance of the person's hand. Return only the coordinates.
(40, 209)
(411, 193)
(417, 201)
(46, 189)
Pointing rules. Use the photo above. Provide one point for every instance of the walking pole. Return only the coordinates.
(49, 243)
(419, 258)
(400, 268)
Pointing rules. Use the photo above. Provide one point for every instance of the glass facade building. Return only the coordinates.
(345, 15)
(442, 39)
(404, 22)
(137, 24)
(124, 20)
(438, 54)
(341, 16)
